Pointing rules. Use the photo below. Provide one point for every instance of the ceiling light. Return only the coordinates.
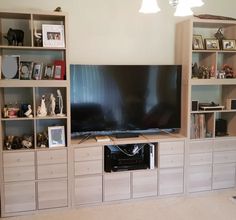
(149, 6)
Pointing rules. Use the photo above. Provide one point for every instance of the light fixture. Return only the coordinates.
(183, 7)
(149, 7)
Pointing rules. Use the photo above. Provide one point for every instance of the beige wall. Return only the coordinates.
(113, 32)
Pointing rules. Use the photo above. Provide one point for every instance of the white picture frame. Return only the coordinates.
(56, 136)
(53, 35)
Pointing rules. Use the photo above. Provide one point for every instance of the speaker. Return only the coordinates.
(230, 104)
(194, 105)
(221, 127)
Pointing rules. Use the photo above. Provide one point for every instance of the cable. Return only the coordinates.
(86, 137)
(128, 154)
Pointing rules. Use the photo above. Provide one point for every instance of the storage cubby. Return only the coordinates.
(21, 121)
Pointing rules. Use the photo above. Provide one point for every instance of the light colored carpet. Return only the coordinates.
(205, 206)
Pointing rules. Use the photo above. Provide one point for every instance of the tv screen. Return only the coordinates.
(108, 99)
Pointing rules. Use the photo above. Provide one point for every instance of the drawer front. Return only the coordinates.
(88, 167)
(51, 156)
(171, 161)
(200, 159)
(175, 147)
(19, 173)
(200, 147)
(171, 181)
(88, 153)
(224, 157)
(200, 178)
(18, 159)
(52, 194)
(88, 189)
(19, 197)
(224, 176)
(52, 171)
(222, 145)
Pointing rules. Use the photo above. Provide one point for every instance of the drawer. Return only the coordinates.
(19, 173)
(88, 153)
(52, 194)
(222, 145)
(171, 161)
(175, 147)
(88, 167)
(52, 156)
(18, 159)
(52, 171)
(19, 197)
(224, 157)
(200, 159)
(200, 146)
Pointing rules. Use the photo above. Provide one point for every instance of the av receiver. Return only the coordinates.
(129, 157)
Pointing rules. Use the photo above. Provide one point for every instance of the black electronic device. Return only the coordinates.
(125, 99)
(129, 157)
(221, 127)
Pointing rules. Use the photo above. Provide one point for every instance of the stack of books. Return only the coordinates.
(198, 126)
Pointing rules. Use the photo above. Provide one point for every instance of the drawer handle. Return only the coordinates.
(51, 158)
(51, 173)
(18, 160)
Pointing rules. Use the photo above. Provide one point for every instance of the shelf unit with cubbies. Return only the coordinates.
(32, 178)
(203, 164)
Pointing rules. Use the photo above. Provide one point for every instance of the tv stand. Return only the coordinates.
(126, 135)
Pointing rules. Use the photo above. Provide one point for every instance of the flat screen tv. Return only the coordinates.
(119, 99)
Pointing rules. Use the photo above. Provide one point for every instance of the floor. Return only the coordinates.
(205, 206)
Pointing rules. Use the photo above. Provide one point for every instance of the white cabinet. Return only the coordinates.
(171, 167)
(117, 186)
(144, 183)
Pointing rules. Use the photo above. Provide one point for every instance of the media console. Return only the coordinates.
(129, 157)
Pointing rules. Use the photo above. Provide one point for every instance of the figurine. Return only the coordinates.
(228, 71)
(42, 110)
(219, 35)
(27, 141)
(37, 38)
(28, 113)
(15, 37)
(60, 103)
(42, 139)
(52, 104)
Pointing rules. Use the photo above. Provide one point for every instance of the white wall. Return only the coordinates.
(113, 32)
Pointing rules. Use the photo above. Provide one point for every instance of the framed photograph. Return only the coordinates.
(59, 69)
(228, 44)
(212, 44)
(10, 66)
(53, 35)
(56, 136)
(37, 71)
(26, 69)
(48, 71)
(198, 42)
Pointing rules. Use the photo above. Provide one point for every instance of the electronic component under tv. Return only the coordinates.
(114, 99)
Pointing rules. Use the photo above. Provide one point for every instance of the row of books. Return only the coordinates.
(198, 126)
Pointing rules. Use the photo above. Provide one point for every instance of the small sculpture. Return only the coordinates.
(60, 103)
(58, 9)
(38, 38)
(42, 110)
(42, 139)
(27, 141)
(15, 37)
(52, 104)
(228, 71)
(28, 113)
(219, 35)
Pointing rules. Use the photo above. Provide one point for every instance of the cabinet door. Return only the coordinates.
(171, 181)
(200, 178)
(88, 153)
(175, 160)
(88, 189)
(52, 156)
(19, 196)
(144, 183)
(19, 173)
(117, 186)
(52, 171)
(223, 175)
(174, 147)
(88, 167)
(52, 194)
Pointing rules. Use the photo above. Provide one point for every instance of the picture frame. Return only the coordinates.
(37, 71)
(26, 69)
(53, 35)
(10, 67)
(49, 71)
(56, 136)
(198, 42)
(229, 44)
(212, 44)
(59, 69)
